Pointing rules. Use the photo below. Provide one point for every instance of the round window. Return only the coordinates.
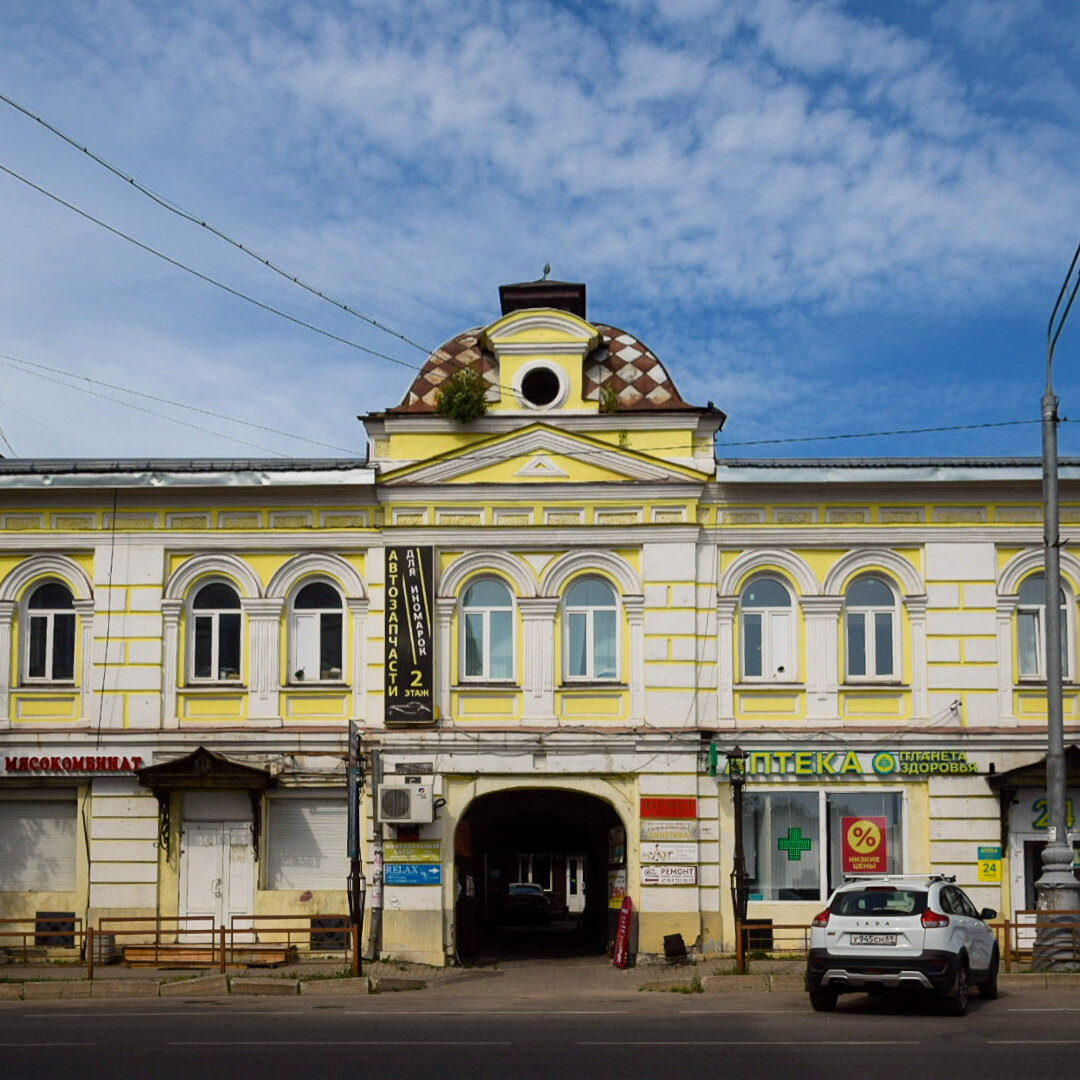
(540, 386)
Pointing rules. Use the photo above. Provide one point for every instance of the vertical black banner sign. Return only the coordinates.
(410, 596)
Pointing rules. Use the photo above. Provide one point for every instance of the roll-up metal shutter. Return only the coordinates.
(37, 845)
(307, 845)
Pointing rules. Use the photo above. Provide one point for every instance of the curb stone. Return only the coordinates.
(123, 988)
(335, 987)
(389, 984)
(203, 984)
(713, 984)
(41, 991)
(267, 987)
(11, 991)
(464, 977)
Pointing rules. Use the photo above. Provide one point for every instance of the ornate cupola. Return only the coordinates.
(543, 362)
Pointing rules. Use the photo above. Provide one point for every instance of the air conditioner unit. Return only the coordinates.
(406, 804)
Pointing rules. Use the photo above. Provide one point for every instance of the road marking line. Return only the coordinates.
(751, 1042)
(341, 1042)
(49, 1045)
(1063, 1008)
(125, 1015)
(487, 1012)
(1032, 1042)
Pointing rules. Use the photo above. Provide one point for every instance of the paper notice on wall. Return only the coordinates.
(616, 888)
(669, 851)
(865, 845)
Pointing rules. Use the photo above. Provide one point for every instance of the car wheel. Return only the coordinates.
(989, 989)
(956, 1004)
(823, 1000)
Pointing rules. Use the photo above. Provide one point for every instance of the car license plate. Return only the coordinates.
(873, 939)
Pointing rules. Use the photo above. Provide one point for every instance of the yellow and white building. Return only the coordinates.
(183, 645)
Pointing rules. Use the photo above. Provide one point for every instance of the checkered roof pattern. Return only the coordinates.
(620, 363)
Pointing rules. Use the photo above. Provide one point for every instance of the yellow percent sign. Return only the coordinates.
(864, 837)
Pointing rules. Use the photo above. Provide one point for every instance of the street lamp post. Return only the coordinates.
(739, 880)
(1057, 888)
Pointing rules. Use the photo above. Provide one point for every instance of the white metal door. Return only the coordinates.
(217, 868)
(575, 884)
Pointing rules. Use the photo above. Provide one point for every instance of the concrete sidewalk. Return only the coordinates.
(532, 979)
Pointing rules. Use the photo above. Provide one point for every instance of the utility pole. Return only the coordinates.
(357, 882)
(375, 929)
(1057, 887)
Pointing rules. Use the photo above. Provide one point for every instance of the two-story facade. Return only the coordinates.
(183, 645)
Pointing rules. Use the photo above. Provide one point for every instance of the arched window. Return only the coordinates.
(215, 638)
(487, 632)
(767, 630)
(1031, 629)
(591, 639)
(316, 634)
(870, 629)
(49, 643)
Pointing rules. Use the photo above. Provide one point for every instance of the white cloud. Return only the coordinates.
(714, 159)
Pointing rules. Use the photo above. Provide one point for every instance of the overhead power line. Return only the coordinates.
(28, 367)
(878, 434)
(221, 285)
(151, 412)
(3, 437)
(195, 219)
(204, 277)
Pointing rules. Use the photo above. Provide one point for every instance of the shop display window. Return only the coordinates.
(794, 841)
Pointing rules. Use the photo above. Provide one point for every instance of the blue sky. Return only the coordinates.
(825, 217)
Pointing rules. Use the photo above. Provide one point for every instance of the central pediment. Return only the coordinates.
(541, 454)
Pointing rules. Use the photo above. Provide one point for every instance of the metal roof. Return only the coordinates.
(55, 473)
(888, 462)
(175, 465)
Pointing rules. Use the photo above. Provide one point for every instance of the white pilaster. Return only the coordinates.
(916, 611)
(725, 658)
(822, 617)
(84, 615)
(444, 614)
(538, 677)
(264, 631)
(1006, 611)
(170, 661)
(358, 609)
(7, 652)
(635, 617)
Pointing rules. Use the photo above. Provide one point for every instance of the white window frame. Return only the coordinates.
(590, 675)
(214, 615)
(485, 612)
(48, 616)
(869, 612)
(772, 628)
(300, 616)
(1037, 614)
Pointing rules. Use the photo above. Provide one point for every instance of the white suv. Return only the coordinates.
(899, 933)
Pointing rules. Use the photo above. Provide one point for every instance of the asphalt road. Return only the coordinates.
(447, 1036)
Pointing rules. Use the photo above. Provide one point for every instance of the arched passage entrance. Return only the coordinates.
(562, 841)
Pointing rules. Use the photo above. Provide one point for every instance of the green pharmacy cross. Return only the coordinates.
(794, 844)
